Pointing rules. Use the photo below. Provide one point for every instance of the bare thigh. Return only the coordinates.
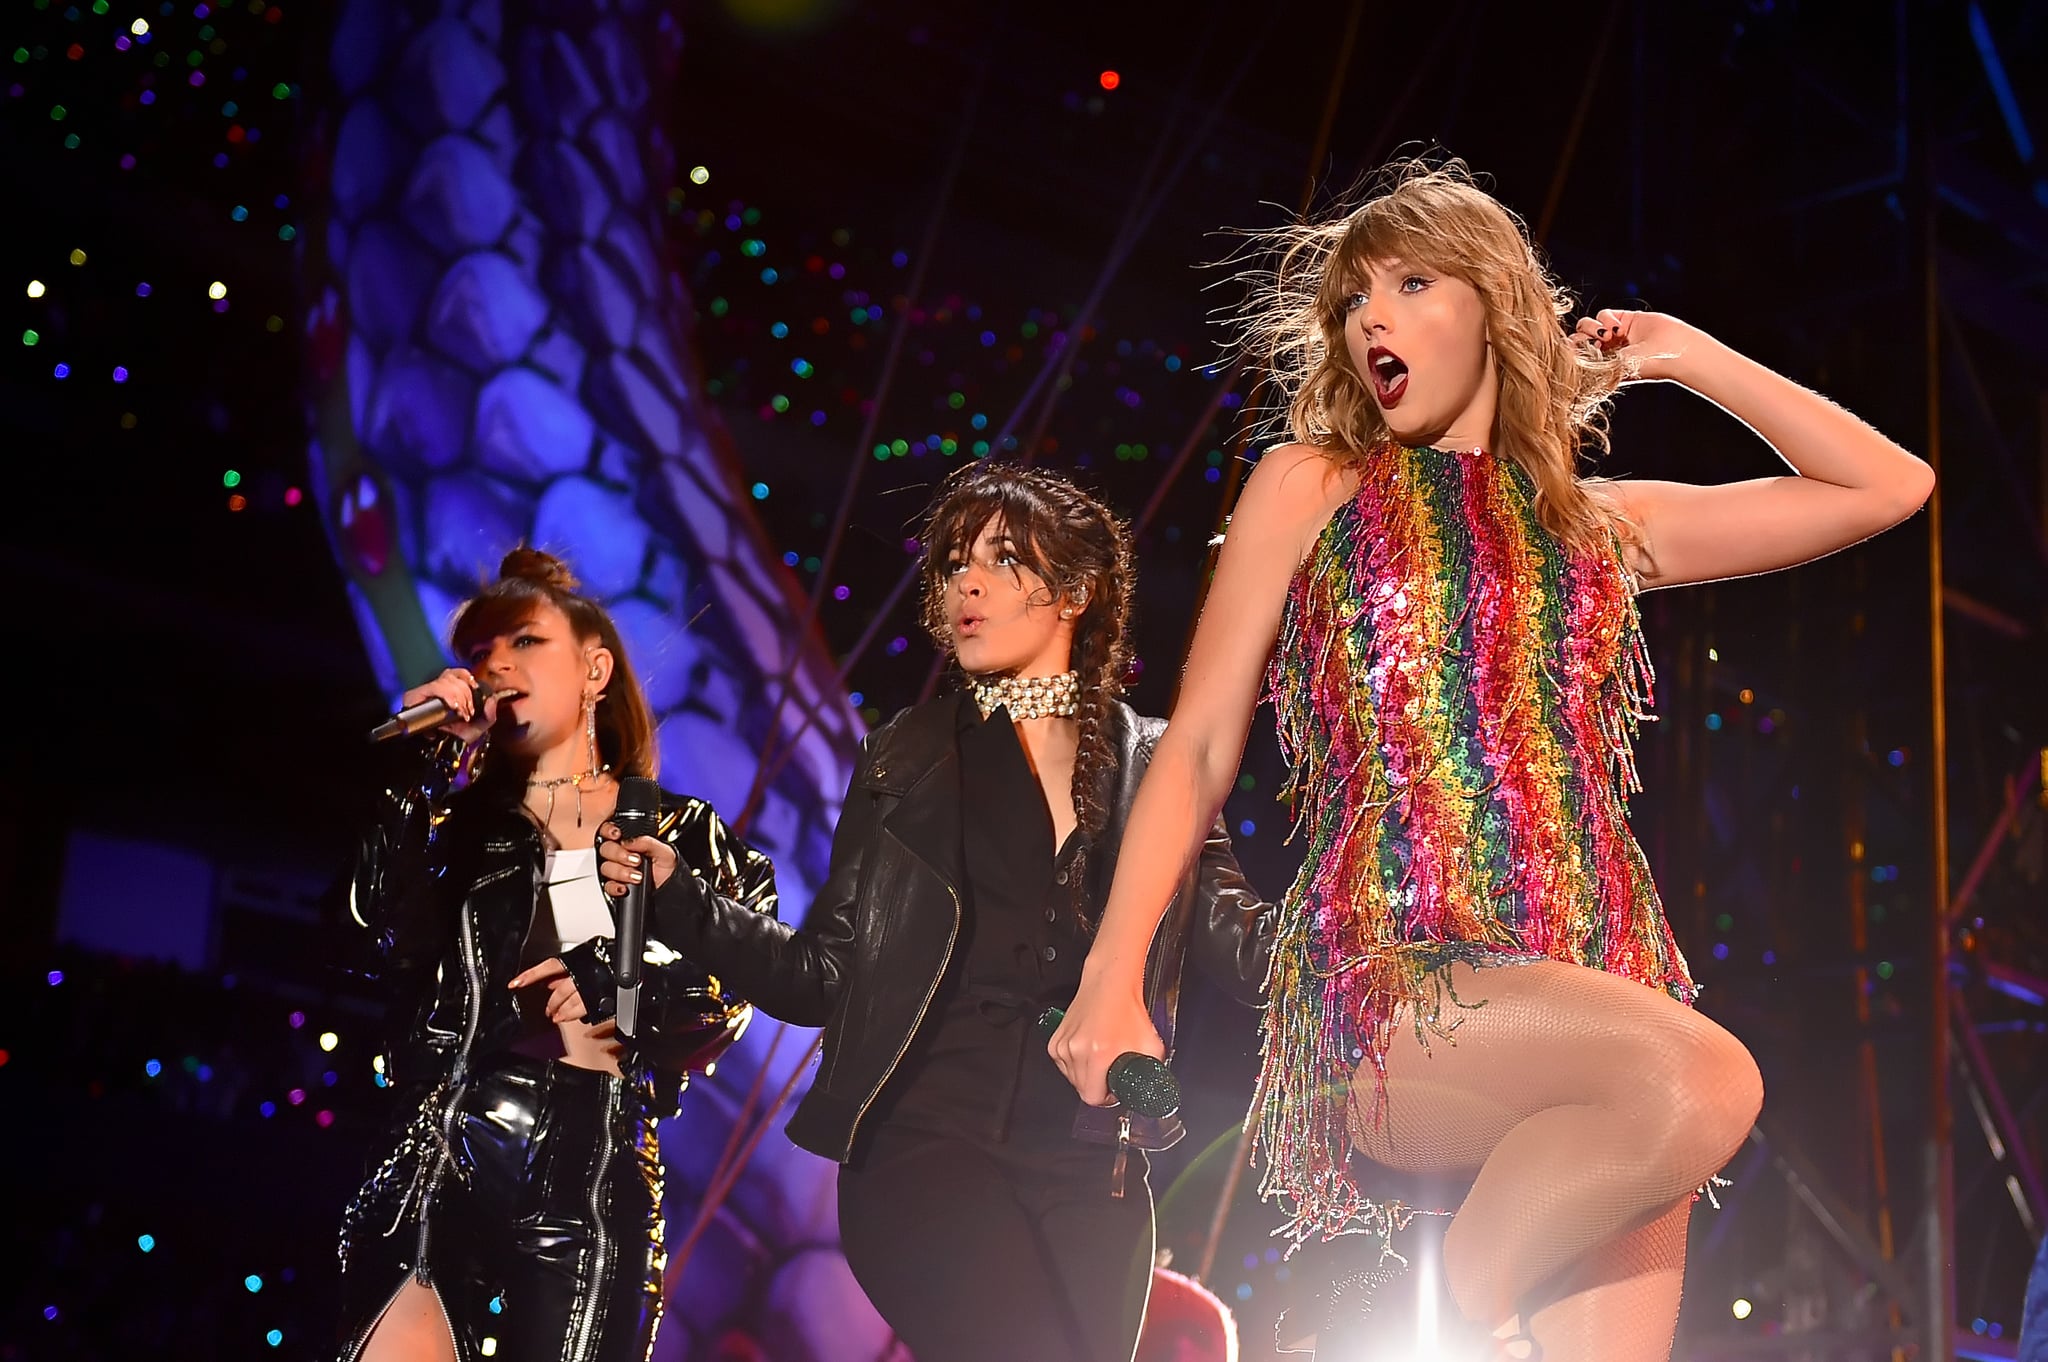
(1526, 1038)
(412, 1328)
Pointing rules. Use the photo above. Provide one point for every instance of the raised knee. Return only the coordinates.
(1697, 1105)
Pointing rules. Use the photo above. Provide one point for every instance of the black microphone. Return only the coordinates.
(639, 801)
(425, 716)
(1137, 1080)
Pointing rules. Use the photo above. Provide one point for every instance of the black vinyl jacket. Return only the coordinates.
(441, 895)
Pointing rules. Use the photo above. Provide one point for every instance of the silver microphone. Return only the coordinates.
(428, 714)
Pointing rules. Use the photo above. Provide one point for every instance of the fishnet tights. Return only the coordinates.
(1585, 1109)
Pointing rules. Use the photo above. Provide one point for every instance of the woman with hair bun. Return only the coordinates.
(988, 1214)
(1475, 981)
(517, 1213)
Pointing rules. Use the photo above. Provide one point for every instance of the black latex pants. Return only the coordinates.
(541, 1227)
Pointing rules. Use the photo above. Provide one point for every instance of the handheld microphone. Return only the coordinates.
(1140, 1082)
(635, 814)
(428, 714)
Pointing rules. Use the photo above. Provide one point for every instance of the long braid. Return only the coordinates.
(1102, 654)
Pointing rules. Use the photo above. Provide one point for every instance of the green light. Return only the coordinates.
(57, 112)
(280, 91)
(719, 307)
(751, 216)
(980, 449)
(100, 6)
(29, 338)
(1247, 782)
(949, 445)
(71, 142)
(20, 55)
(1215, 458)
(1884, 969)
(231, 479)
(779, 402)
(956, 400)
(1724, 922)
(881, 453)
(1030, 330)
(899, 447)
(287, 232)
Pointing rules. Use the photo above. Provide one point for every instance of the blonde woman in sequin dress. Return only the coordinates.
(1474, 979)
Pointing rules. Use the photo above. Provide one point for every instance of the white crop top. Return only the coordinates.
(574, 909)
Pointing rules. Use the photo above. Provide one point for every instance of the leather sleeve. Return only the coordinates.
(1233, 926)
(390, 893)
(793, 974)
(688, 1016)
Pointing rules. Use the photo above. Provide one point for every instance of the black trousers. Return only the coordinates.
(541, 1227)
(980, 1252)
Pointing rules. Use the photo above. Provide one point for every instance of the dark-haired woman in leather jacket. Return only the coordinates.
(516, 1213)
(987, 1213)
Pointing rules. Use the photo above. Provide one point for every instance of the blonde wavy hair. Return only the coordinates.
(1553, 390)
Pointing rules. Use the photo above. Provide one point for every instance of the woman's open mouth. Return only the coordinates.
(1389, 376)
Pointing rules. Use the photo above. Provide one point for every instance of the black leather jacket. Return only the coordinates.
(881, 932)
(444, 891)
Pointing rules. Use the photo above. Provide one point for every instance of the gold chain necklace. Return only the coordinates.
(578, 781)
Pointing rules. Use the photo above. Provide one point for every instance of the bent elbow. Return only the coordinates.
(1919, 486)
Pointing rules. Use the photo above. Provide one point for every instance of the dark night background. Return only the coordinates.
(188, 676)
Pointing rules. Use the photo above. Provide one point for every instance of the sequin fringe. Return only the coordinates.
(1458, 699)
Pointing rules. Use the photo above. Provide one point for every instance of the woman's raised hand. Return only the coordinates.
(1651, 345)
(456, 688)
(1103, 1022)
(623, 863)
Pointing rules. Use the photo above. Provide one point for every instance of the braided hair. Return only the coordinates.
(1081, 550)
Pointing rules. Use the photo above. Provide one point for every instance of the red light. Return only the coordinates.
(1110, 80)
(237, 502)
(293, 496)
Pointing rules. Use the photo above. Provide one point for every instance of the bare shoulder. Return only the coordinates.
(1291, 494)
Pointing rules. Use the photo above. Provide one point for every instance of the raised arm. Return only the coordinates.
(1847, 483)
(1286, 502)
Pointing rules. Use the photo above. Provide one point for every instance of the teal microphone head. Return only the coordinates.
(1145, 1085)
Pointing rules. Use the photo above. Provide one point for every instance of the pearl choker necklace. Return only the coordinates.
(1030, 697)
